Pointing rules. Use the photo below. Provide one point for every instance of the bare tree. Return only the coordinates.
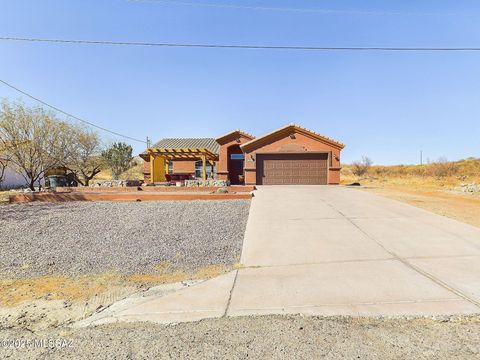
(84, 156)
(30, 137)
(360, 168)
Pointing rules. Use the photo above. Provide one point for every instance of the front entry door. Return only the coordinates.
(235, 168)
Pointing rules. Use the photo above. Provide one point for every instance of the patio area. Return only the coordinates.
(161, 158)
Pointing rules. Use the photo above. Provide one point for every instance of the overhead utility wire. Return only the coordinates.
(233, 46)
(68, 114)
(300, 10)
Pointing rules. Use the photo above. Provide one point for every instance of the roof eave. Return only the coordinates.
(232, 133)
(331, 142)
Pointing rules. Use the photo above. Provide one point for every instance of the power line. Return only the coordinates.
(300, 10)
(68, 114)
(233, 46)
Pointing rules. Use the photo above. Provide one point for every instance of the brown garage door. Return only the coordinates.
(292, 169)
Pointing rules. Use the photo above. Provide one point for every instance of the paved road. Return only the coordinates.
(335, 251)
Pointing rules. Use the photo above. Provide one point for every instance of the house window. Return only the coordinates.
(199, 169)
(170, 167)
(237, 157)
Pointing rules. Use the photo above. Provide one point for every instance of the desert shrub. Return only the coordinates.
(419, 170)
(462, 169)
(379, 171)
(442, 168)
(360, 168)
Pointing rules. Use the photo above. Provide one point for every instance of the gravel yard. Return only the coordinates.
(265, 337)
(77, 238)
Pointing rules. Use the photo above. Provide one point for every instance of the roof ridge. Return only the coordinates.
(316, 133)
(233, 131)
(298, 127)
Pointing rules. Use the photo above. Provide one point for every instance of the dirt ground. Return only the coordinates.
(62, 262)
(42, 308)
(260, 337)
(436, 195)
(38, 303)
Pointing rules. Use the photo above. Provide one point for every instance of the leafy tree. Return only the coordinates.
(118, 158)
(360, 168)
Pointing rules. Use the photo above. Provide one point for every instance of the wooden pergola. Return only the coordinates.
(159, 157)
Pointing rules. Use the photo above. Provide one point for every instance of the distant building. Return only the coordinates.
(12, 179)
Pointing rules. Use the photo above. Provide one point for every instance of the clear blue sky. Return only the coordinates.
(388, 106)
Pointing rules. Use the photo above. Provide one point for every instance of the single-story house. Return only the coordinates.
(290, 155)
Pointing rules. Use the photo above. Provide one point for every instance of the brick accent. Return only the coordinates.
(184, 167)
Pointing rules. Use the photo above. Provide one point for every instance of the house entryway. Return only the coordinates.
(236, 161)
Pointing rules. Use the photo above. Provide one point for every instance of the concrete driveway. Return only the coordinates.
(335, 251)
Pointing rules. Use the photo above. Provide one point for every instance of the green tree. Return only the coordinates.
(118, 157)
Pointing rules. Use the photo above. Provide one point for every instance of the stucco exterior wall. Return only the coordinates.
(292, 142)
(222, 164)
(14, 180)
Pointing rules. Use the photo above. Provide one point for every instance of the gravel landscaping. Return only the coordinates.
(265, 337)
(78, 238)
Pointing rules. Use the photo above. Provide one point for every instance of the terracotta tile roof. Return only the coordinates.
(235, 131)
(292, 125)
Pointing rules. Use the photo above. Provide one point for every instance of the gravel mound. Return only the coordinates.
(77, 238)
(265, 337)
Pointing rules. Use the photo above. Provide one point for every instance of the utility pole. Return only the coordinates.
(148, 142)
(421, 157)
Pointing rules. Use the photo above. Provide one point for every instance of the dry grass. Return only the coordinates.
(83, 288)
(422, 186)
(4, 197)
(134, 173)
(460, 170)
(14, 291)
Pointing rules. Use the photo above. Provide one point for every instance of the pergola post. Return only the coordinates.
(204, 167)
